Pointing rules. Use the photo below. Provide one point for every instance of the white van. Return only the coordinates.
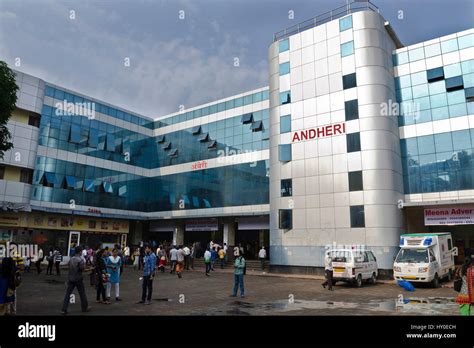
(353, 266)
(425, 257)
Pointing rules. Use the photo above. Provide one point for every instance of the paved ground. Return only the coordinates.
(265, 295)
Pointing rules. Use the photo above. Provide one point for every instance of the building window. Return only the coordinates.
(353, 142)
(88, 185)
(285, 97)
(93, 140)
(196, 130)
(469, 92)
(285, 124)
(286, 188)
(122, 191)
(284, 153)
(107, 187)
(435, 74)
(173, 153)
(347, 48)
(69, 182)
(247, 118)
(345, 23)
(49, 179)
(110, 145)
(75, 134)
(160, 139)
(449, 46)
(349, 81)
(34, 120)
(454, 83)
(2, 172)
(257, 126)
(285, 219)
(351, 110)
(357, 216)
(284, 68)
(355, 181)
(26, 176)
(284, 45)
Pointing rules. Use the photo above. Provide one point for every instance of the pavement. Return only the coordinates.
(266, 294)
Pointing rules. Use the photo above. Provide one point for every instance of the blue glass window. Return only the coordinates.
(110, 143)
(420, 91)
(454, 83)
(107, 187)
(345, 23)
(437, 87)
(353, 142)
(285, 97)
(284, 45)
(173, 153)
(347, 48)
(69, 182)
(357, 216)
(400, 58)
(351, 109)
(349, 81)
(75, 134)
(443, 142)
(247, 118)
(49, 179)
(196, 130)
(426, 144)
(416, 54)
(285, 219)
(418, 78)
(160, 139)
(286, 188)
(469, 94)
(456, 97)
(89, 185)
(122, 191)
(93, 139)
(467, 66)
(438, 100)
(435, 74)
(284, 153)
(285, 124)
(355, 181)
(461, 140)
(432, 50)
(49, 91)
(452, 70)
(284, 68)
(257, 126)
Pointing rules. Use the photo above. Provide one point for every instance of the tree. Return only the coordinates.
(8, 91)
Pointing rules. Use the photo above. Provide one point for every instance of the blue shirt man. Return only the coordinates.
(149, 266)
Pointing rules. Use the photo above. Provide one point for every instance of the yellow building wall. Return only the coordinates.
(11, 173)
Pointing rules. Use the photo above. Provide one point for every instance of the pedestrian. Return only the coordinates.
(27, 264)
(38, 259)
(465, 299)
(173, 259)
(10, 279)
(149, 267)
(58, 258)
(221, 254)
(225, 252)
(114, 263)
(75, 280)
(207, 261)
(90, 252)
(136, 259)
(213, 258)
(187, 257)
(126, 254)
(239, 272)
(162, 259)
(50, 259)
(328, 270)
(194, 251)
(262, 255)
(102, 276)
(180, 261)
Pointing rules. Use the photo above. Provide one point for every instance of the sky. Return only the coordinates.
(151, 56)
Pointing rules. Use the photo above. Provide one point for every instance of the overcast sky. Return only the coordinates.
(177, 61)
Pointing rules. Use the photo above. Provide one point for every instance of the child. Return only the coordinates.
(27, 264)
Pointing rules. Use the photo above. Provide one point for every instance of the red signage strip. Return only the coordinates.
(319, 132)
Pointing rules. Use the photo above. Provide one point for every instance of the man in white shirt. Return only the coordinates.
(187, 256)
(262, 255)
(328, 272)
(173, 258)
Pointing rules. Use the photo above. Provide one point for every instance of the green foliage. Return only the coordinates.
(8, 91)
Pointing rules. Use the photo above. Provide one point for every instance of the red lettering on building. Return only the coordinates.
(319, 132)
(199, 165)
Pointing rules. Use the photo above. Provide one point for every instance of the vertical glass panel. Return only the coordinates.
(347, 48)
(345, 23)
(284, 45)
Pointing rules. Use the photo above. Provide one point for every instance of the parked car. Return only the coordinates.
(353, 266)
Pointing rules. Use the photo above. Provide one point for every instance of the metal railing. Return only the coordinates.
(354, 6)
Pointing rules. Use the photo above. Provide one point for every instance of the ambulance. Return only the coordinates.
(425, 258)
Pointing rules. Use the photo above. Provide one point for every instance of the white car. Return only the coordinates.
(353, 266)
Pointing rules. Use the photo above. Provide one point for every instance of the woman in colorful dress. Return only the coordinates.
(465, 299)
(161, 254)
(114, 262)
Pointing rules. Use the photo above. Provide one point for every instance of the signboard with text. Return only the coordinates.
(449, 216)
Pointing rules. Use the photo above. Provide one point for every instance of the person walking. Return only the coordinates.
(10, 279)
(328, 270)
(75, 280)
(262, 255)
(173, 258)
(465, 299)
(207, 260)
(58, 258)
(102, 276)
(136, 259)
(50, 259)
(149, 266)
(213, 258)
(114, 263)
(239, 272)
(187, 257)
(221, 254)
(38, 259)
(162, 259)
(180, 256)
(126, 254)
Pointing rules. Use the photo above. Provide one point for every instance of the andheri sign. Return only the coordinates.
(319, 132)
(449, 216)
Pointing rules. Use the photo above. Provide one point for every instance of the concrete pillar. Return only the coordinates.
(261, 238)
(229, 233)
(178, 234)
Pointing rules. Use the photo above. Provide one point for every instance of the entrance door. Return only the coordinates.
(74, 240)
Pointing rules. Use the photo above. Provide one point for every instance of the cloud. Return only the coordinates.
(167, 69)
